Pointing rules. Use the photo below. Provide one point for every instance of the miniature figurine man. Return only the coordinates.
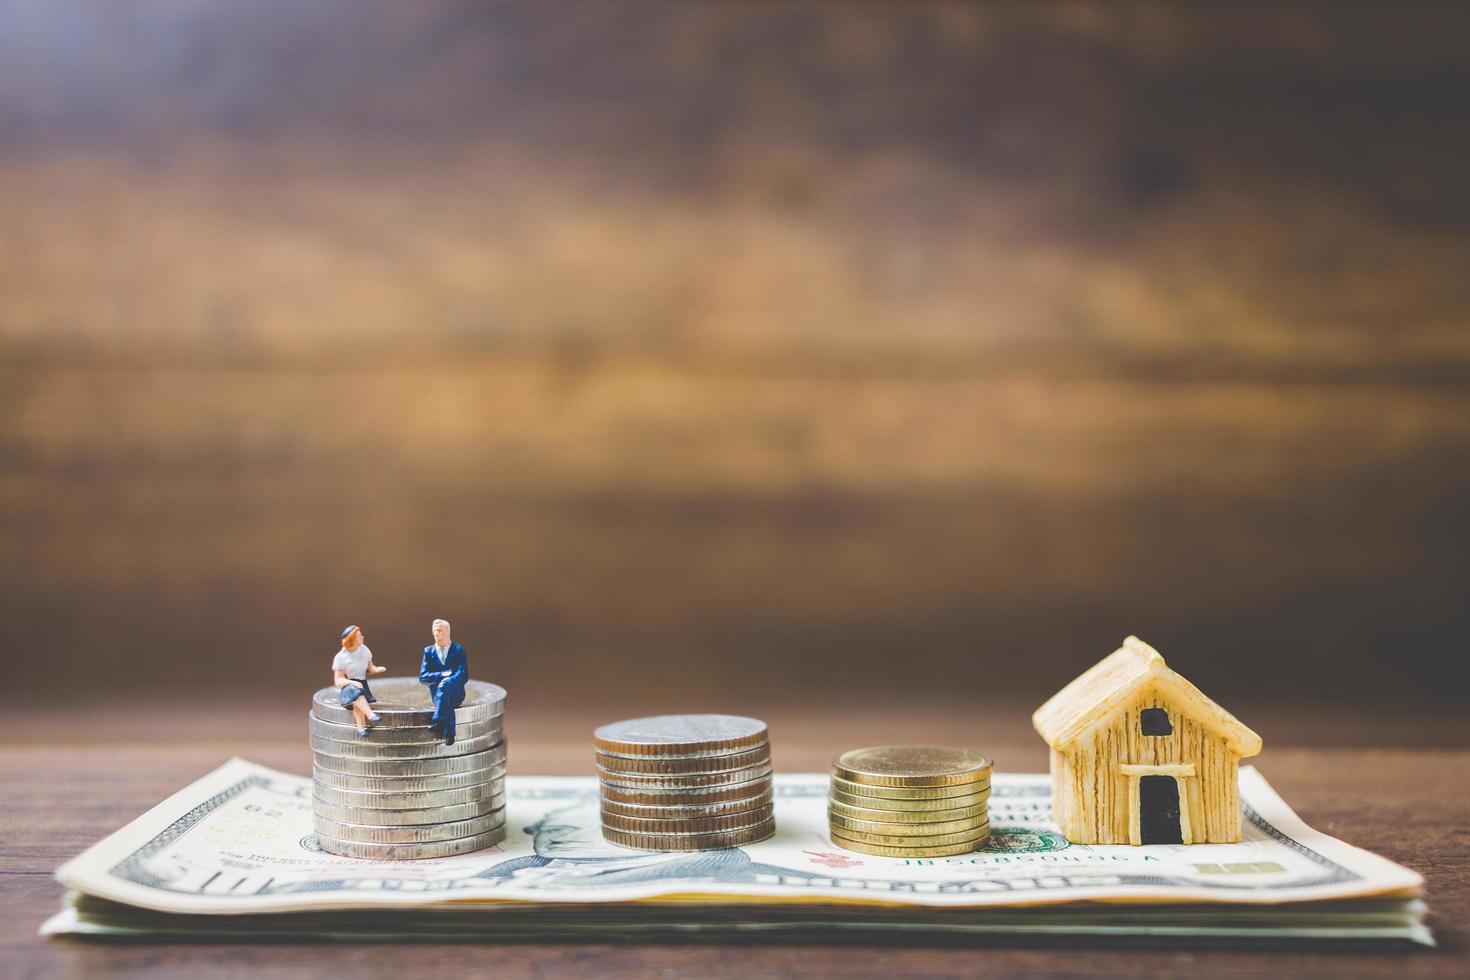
(445, 671)
(350, 670)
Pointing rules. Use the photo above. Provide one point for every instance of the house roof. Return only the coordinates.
(1115, 681)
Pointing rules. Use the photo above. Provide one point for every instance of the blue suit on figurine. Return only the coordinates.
(445, 670)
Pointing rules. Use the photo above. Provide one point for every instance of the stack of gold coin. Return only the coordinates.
(685, 782)
(400, 793)
(910, 801)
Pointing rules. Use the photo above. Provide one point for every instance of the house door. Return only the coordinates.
(1158, 810)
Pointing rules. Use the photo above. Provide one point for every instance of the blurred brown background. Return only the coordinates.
(725, 355)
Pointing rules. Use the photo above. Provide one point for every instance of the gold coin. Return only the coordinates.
(981, 785)
(882, 850)
(908, 806)
(911, 765)
(696, 764)
(690, 842)
(847, 824)
(686, 825)
(939, 840)
(906, 816)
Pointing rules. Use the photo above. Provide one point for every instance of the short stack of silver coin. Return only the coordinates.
(400, 793)
(685, 782)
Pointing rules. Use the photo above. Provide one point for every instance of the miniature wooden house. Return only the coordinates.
(1140, 756)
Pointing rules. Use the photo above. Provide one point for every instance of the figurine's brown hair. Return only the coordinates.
(352, 640)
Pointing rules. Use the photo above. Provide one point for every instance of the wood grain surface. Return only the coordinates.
(707, 340)
(68, 781)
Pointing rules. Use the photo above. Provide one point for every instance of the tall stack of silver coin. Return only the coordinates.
(685, 782)
(400, 793)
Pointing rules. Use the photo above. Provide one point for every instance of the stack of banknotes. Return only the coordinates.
(234, 856)
(685, 782)
(400, 793)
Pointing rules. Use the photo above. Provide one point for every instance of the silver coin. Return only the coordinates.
(410, 852)
(385, 735)
(480, 792)
(675, 736)
(449, 765)
(397, 818)
(690, 842)
(645, 796)
(407, 784)
(734, 777)
(687, 765)
(366, 748)
(730, 823)
(687, 810)
(404, 702)
(421, 834)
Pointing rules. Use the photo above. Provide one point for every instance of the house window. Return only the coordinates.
(1155, 721)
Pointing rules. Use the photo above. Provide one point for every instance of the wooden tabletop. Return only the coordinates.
(1396, 782)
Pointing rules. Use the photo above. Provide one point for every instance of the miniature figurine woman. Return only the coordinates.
(445, 671)
(350, 670)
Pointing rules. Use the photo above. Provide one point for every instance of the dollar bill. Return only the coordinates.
(234, 853)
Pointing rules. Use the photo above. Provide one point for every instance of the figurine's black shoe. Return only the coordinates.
(448, 739)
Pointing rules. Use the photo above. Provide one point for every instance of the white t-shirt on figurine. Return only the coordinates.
(353, 663)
